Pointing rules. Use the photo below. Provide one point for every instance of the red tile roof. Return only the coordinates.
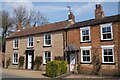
(40, 29)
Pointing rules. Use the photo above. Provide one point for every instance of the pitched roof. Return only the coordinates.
(92, 22)
(71, 47)
(63, 25)
(40, 29)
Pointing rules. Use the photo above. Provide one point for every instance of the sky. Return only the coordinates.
(57, 10)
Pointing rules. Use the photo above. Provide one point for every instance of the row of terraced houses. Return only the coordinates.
(77, 42)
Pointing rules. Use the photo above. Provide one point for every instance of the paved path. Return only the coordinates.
(13, 73)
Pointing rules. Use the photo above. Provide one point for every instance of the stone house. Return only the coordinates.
(100, 38)
(46, 41)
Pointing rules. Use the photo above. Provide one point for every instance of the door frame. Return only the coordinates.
(75, 54)
(31, 52)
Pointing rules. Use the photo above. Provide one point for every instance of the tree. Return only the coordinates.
(6, 24)
(28, 18)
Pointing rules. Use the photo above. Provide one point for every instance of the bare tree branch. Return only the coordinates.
(29, 18)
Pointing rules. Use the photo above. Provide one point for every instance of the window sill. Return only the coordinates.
(109, 63)
(14, 63)
(85, 42)
(15, 48)
(47, 46)
(106, 40)
(85, 63)
(29, 47)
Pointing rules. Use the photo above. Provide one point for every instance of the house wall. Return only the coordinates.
(73, 36)
(56, 48)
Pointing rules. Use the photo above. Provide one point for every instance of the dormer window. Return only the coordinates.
(30, 41)
(106, 32)
(47, 39)
(85, 34)
(15, 42)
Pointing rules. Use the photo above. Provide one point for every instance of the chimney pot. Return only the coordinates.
(99, 13)
(19, 26)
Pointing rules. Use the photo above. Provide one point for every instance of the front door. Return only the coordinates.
(29, 61)
(72, 61)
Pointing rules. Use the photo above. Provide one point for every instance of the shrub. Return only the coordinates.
(56, 68)
(58, 57)
(78, 68)
(21, 61)
(37, 62)
(63, 67)
(8, 62)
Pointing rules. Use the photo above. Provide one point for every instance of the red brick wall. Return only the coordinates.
(73, 36)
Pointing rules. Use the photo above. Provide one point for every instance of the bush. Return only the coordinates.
(78, 68)
(37, 62)
(21, 61)
(56, 68)
(8, 62)
(63, 67)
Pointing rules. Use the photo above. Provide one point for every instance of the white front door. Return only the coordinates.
(29, 61)
(72, 61)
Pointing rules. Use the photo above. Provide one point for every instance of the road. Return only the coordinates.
(14, 73)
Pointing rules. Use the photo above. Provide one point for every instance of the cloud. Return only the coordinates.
(50, 8)
(85, 8)
(14, 4)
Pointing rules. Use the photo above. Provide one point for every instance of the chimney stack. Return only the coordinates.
(71, 17)
(19, 26)
(99, 13)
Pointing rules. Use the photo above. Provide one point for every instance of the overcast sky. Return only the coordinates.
(57, 11)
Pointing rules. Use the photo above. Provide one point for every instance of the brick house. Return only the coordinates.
(45, 41)
(100, 37)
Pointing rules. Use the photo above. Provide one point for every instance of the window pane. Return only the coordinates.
(104, 30)
(83, 32)
(87, 32)
(109, 35)
(106, 59)
(49, 55)
(83, 52)
(31, 44)
(108, 29)
(87, 52)
(49, 37)
(110, 58)
(88, 58)
(45, 54)
(85, 38)
(84, 59)
(105, 52)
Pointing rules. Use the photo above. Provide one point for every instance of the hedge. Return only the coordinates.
(56, 68)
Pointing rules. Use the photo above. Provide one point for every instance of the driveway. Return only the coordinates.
(14, 73)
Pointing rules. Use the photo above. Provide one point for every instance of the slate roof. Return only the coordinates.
(71, 47)
(91, 22)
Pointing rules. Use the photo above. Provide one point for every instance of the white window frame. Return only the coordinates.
(44, 59)
(107, 47)
(106, 25)
(30, 41)
(85, 48)
(14, 43)
(44, 39)
(14, 58)
(85, 28)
